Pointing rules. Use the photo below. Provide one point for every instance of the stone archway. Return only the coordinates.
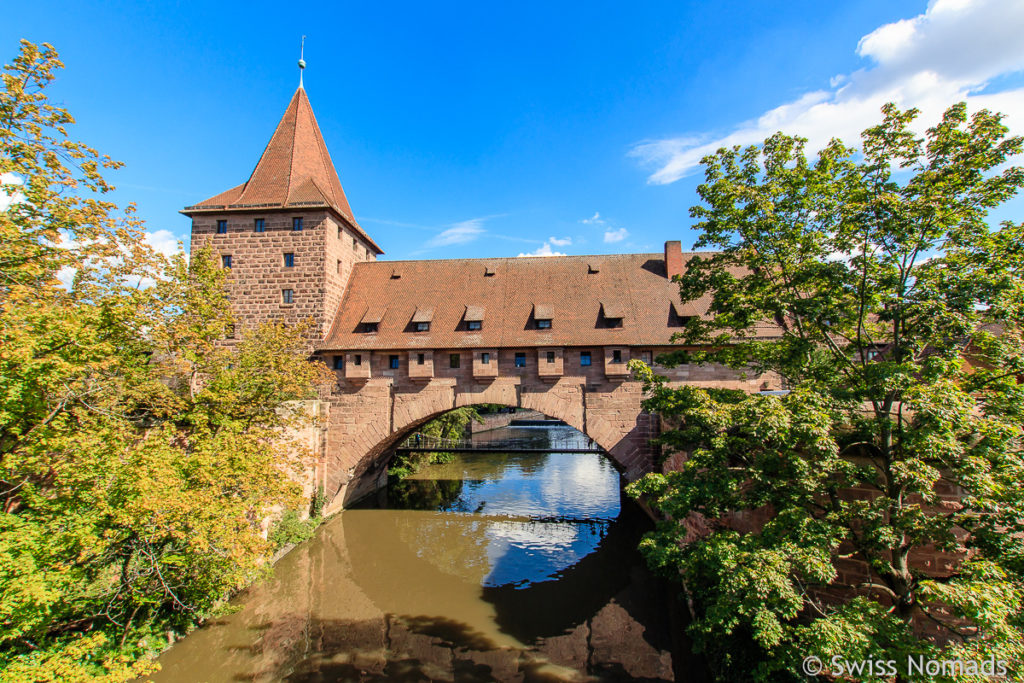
(368, 420)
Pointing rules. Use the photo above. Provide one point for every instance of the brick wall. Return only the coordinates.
(323, 260)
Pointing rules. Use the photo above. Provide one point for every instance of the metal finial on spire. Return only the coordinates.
(302, 62)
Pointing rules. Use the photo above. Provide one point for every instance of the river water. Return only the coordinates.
(496, 566)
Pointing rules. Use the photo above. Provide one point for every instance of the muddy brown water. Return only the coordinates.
(493, 567)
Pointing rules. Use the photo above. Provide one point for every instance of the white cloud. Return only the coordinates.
(560, 242)
(163, 241)
(545, 250)
(594, 220)
(611, 236)
(460, 233)
(9, 195)
(945, 55)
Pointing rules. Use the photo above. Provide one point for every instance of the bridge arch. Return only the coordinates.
(366, 424)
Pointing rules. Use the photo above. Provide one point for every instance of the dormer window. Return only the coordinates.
(474, 318)
(371, 318)
(421, 319)
(681, 313)
(611, 313)
(222, 227)
(543, 314)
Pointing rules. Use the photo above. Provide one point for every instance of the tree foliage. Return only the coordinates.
(873, 284)
(138, 457)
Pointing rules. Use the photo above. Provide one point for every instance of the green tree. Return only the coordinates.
(138, 458)
(450, 425)
(895, 312)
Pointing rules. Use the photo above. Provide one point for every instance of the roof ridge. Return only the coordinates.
(291, 147)
(539, 258)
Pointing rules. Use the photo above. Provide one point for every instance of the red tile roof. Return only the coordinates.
(574, 288)
(295, 171)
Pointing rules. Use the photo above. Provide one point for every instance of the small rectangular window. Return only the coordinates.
(222, 227)
(369, 327)
(393, 362)
(543, 324)
(289, 260)
(422, 327)
(287, 296)
(225, 261)
(340, 232)
(359, 359)
(297, 224)
(338, 267)
(421, 358)
(355, 243)
(231, 332)
(616, 356)
(259, 225)
(473, 325)
(645, 356)
(520, 360)
(339, 362)
(584, 357)
(551, 356)
(454, 360)
(485, 358)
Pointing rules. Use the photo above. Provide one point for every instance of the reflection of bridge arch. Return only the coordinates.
(541, 609)
(368, 422)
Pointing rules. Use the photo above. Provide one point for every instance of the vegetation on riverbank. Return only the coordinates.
(138, 458)
(451, 425)
(880, 501)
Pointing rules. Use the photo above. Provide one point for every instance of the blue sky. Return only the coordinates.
(478, 129)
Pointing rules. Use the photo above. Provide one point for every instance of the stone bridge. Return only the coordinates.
(366, 422)
(368, 419)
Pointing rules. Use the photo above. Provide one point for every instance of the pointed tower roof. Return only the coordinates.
(294, 172)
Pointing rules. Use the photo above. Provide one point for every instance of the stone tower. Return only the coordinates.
(287, 233)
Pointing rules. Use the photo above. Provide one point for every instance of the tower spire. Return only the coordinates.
(302, 62)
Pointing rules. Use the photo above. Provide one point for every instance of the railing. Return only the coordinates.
(567, 443)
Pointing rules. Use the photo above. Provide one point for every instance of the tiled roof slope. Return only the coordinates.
(574, 287)
(295, 171)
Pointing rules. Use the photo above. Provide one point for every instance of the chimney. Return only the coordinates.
(673, 258)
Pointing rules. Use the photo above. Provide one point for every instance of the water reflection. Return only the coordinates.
(491, 567)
